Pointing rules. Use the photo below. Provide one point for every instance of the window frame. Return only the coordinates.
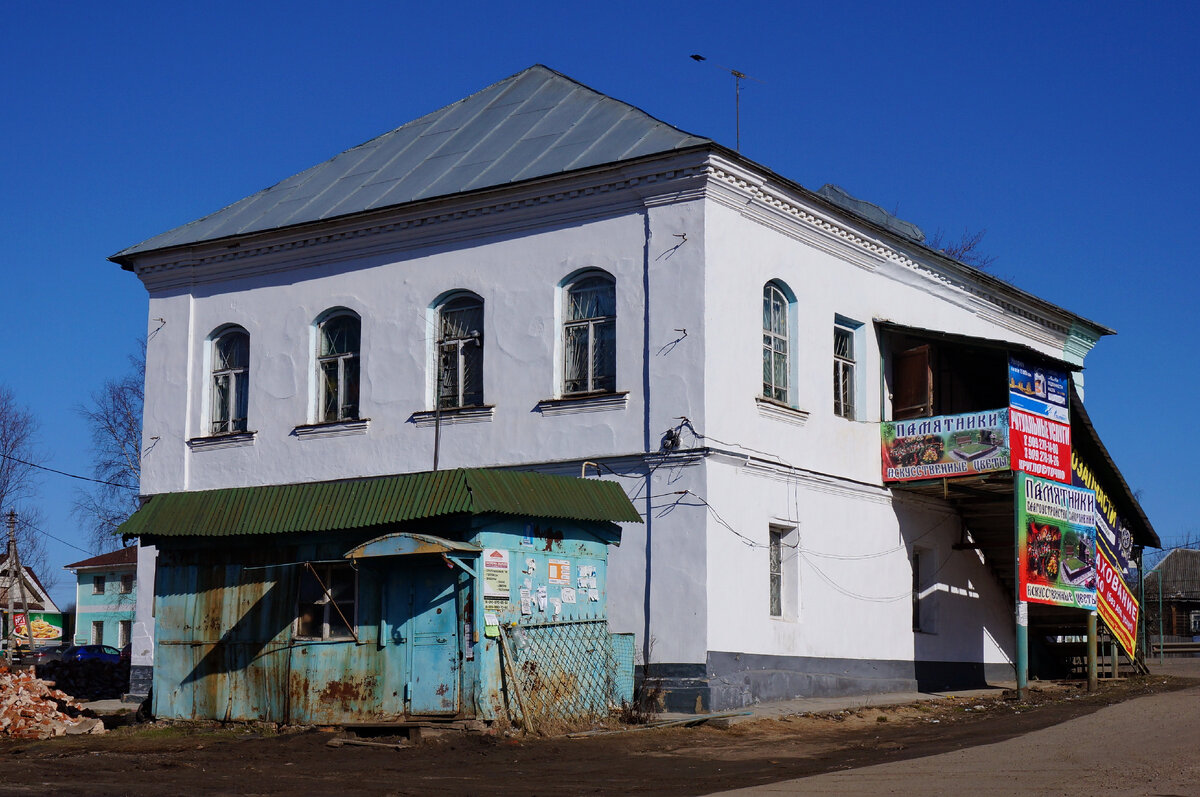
(124, 633)
(845, 378)
(237, 377)
(324, 582)
(98, 585)
(348, 369)
(778, 343)
(96, 633)
(459, 353)
(589, 325)
(126, 584)
(783, 572)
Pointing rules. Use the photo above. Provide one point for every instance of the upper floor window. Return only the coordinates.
(97, 585)
(460, 352)
(776, 343)
(230, 381)
(126, 583)
(589, 335)
(338, 345)
(843, 371)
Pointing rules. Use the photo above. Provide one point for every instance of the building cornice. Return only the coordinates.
(576, 197)
(782, 207)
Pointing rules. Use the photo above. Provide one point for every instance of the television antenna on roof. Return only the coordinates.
(738, 77)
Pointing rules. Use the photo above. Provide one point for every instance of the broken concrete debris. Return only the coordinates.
(31, 708)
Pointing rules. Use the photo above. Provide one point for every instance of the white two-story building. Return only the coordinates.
(542, 277)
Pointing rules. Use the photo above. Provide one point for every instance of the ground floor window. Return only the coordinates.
(97, 637)
(326, 601)
(124, 633)
(782, 571)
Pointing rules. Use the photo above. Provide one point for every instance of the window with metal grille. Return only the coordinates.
(326, 601)
(776, 344)
(124, 632)
(843, 371)
(589, 335)
(338, 342)
(775, 558)
(230, 381)
(460, 352)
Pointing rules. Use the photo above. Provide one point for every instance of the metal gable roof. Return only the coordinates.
(332, 506)
(533, 124)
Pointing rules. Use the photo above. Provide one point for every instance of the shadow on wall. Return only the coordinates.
(958, 605)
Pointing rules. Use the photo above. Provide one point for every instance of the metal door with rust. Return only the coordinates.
(431, 637)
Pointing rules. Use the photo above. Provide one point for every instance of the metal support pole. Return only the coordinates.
(1092, 669)
(1160, 624)
(1022, 608)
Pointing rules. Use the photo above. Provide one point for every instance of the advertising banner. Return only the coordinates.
(47, 626)
(1115, 602)
(946, 445)
(1111, 528)
(1040, 447)
(1038, 391)
(1056, 543)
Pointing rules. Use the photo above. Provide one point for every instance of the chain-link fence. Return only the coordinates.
(564, 673)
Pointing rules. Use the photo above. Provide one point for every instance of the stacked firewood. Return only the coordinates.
(31, 708)
(88, 680)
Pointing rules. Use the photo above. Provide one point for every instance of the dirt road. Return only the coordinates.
(1145, 746)
(201, 760)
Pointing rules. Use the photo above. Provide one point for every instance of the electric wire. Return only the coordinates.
(64, 473)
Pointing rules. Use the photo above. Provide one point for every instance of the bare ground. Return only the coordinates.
(204, 759)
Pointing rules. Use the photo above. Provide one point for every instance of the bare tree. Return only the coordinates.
(115, 417)
(19, 461)
(967, 249)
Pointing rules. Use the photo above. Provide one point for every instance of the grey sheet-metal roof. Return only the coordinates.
(534, 124)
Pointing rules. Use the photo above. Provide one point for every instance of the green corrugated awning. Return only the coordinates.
(361, 503)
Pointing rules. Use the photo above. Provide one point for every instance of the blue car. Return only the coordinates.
(92, 653)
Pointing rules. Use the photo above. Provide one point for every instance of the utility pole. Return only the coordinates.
(14, 566)
(10, 626)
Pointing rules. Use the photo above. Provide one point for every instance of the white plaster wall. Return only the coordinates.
(516, 275)
(853, 575)
(142, 634)
(743, 255)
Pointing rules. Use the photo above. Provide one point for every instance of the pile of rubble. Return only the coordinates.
(31, 708)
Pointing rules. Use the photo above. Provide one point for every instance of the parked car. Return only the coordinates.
(21, 653)
(53, 653)
(127, 652)
(92, 653)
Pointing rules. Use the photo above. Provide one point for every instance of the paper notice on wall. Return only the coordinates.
(530, 565)
(495, 573)
(542, 597)
(568, 594)
(558, 571)
(555, 607)
(526, 606)
(593, 595)
(495, 605)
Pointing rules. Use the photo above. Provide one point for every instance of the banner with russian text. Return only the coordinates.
(1056, 543)
(945, 446)
(1038, 391)
(1115, 601)
(1040, 446)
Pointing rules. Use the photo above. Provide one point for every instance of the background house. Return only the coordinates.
(36, 601)
(105, 598)
(1172, 590)
(541, 277)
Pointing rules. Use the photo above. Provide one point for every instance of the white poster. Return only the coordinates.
(495, 573)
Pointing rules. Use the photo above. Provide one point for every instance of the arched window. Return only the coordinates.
(460, 352)
(590, 335)
(338, 343)
(230, 381)
(776, 343)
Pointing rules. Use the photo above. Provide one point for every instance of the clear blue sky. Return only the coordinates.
(1067, 130)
